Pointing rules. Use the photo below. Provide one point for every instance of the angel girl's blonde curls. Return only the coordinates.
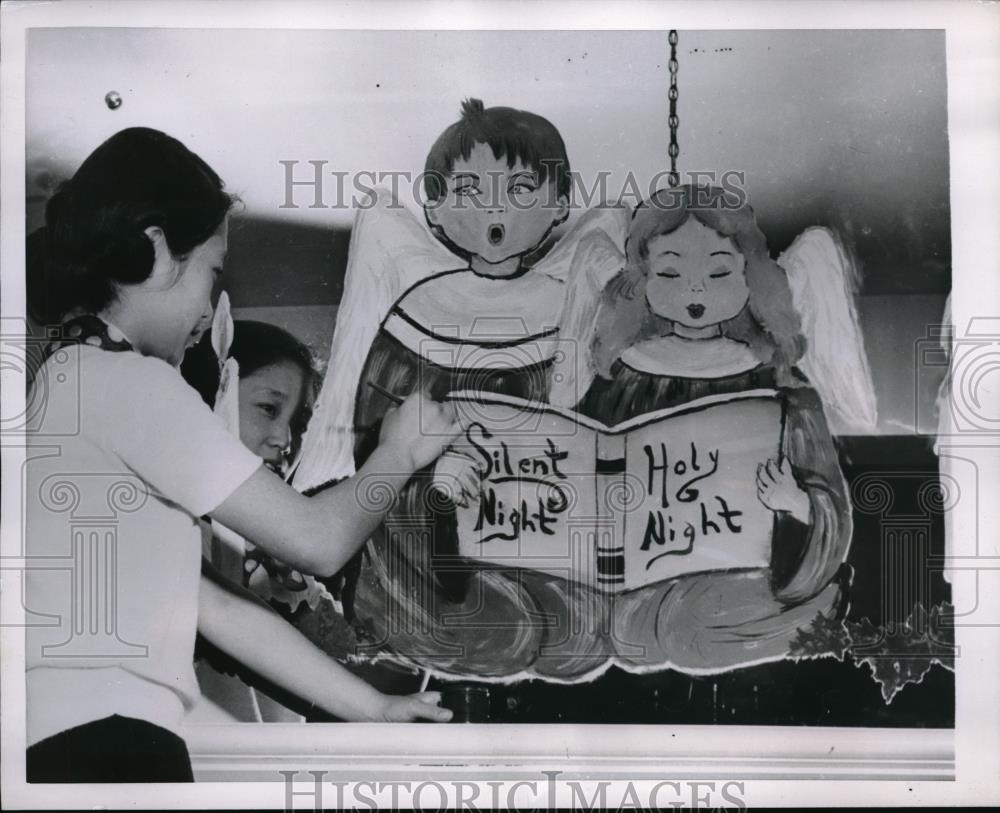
(769, 323)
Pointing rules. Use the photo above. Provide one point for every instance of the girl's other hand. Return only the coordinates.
(412, 707)
(418, 430)
(459, 477)
(778, 489)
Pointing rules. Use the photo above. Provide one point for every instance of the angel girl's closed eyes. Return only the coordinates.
(701, 309)
(463, 311)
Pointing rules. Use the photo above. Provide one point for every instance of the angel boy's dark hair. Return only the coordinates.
(514, 134)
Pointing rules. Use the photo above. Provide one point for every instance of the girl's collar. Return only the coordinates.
(677, 357)
(115, 332)
(91, 330)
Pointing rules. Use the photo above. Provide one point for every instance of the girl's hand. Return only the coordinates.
(408, 708)
(458, 477)
(779, 491)
(418, 430)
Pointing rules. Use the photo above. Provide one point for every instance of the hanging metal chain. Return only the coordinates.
(673, 151)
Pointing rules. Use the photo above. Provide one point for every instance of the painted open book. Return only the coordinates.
(664, 494)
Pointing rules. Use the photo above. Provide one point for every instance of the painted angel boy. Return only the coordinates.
(466, 311)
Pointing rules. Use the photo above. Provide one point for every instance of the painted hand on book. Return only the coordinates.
(779, 491)
(418, 430)
(458, 477)
(412, 707)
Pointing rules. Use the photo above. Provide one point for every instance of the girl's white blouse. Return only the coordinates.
(123, 458)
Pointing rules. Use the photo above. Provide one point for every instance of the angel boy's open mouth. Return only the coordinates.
(696, 311)
(495, 234)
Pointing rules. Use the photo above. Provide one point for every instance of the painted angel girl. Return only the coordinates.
(464, 311)
(701, 309)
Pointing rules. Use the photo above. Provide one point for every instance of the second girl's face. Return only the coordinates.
(270, 401)
(696, 276)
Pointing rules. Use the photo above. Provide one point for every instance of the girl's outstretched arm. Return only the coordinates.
(246, 629)
(319, 534)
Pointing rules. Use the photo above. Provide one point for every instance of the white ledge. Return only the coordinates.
(251, 752)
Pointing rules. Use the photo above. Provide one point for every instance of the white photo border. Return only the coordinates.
(779, 765)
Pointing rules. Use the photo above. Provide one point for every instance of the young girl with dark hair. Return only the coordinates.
(278, 382)
(135, 242)
(701, 309)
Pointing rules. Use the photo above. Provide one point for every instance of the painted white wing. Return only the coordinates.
(597, 259)
(821, 275)
(610, 220)
(390, 251)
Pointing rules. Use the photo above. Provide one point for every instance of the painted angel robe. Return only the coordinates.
(718, 620)
(414, 595)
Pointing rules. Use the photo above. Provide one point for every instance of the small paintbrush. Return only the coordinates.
(383, 391)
